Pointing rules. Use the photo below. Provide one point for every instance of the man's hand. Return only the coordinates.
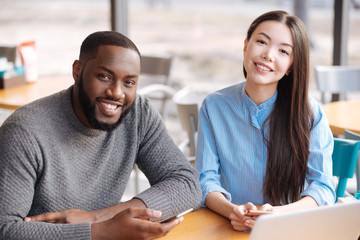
(79, 216)
(133, 223)
(67, 216)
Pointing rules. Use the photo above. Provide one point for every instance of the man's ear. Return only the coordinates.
(76, 70)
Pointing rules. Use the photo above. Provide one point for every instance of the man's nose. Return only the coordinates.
(116, 91)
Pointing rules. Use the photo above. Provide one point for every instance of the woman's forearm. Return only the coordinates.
(304, 203)
(217, 202)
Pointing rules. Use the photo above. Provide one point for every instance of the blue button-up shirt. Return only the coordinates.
(232, 153)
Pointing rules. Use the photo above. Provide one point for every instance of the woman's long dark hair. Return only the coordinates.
(291, 119)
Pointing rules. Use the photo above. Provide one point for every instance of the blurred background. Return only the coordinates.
(205, 37)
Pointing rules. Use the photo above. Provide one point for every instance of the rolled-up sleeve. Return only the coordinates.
(207, 160)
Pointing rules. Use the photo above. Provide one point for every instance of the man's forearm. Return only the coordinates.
(107, 213)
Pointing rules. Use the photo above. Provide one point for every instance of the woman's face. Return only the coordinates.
(268, 55)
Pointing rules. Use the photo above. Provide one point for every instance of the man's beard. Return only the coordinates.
(89, 110)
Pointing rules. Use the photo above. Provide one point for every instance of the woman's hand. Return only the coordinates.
(269, 208)
(238, 218)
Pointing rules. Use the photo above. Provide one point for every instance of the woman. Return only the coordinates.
(264, 141)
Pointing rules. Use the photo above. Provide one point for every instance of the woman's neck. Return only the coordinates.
(260, 93)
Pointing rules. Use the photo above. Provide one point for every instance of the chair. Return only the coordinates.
(188, 102)
(159, 92)
(337, 80)
(354, 136)
(154, 84)
(344, 161)
(155, 80)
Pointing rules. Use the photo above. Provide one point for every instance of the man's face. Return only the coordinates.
(106, 86)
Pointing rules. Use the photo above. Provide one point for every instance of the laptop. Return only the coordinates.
(338, 222)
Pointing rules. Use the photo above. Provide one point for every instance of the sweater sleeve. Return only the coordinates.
(174, 182)
(21, 166)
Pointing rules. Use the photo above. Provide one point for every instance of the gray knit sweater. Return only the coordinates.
(49, 161)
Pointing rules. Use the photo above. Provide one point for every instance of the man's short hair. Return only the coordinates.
(91, 44)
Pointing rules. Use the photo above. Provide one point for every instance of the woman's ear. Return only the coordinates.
(288, 72)
(244, 50)
(76, 70)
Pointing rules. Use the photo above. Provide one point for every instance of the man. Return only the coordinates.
(66, 159)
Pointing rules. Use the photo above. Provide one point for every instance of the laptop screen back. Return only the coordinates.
(338, 222)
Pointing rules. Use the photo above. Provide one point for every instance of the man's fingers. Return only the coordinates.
(161, 229)
(51, 217)
(171, 224)
(150, 213)
(144, 213)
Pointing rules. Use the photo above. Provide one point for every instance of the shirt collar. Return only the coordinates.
(253, 108)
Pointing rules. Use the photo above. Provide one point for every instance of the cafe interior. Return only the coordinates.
(189, 49)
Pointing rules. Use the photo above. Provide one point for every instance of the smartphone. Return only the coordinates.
(177, 216)
(256, 213)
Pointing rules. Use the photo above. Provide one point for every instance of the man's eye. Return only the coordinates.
(129, 82)
(103, 76)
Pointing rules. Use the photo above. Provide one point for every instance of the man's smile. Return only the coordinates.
(110, 108)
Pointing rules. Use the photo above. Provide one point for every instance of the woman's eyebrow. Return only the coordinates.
(268, 37)
(265, 35)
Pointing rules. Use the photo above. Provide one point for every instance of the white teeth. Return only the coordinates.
(262, 67)
(111, 106)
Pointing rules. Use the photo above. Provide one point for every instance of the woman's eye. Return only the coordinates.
(261, 41)
(284, 51)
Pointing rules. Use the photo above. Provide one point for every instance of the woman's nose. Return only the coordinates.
(268, 55)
